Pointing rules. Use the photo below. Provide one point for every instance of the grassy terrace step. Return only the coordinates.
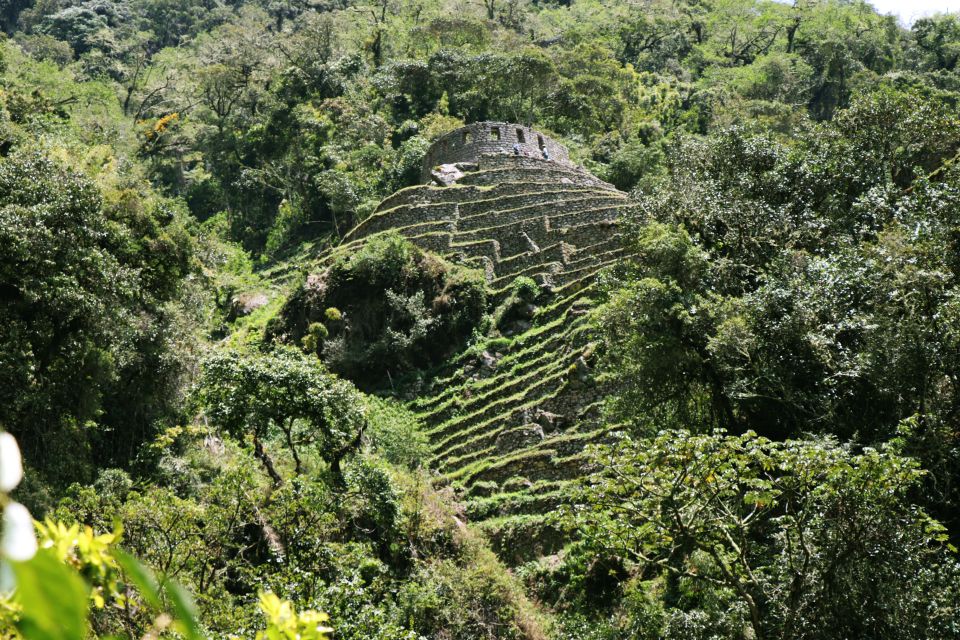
(442, 242)
(542, 463)
(487, 248)
(519, 538)
(551, 253)
(612, 241)
(544, 167)
(567, 219)
(530, 217)
(468, 440)
(483, 444)
(514, 364)
(546, 269)
(490, 213)
(430, 193)
(519, 523)
(545, 321)
(437, 242)
(502, 283)
(419, 194)
(524, 179)
(437, 237)
(456, 410)
(591, 208)
(543, 335)
(453, 410)
(417, 230)
(471, 210)
(483, 449)
(487, 389)
(577, 275)
(517, 485)
(402, 216)
(514, 485)
(578, 287)
(566, 443)
(515, 412)
(553, 241)
(488, 175)
(538, 497)
(586, 234)
(461, 426)
(516, 503)
(595, 258)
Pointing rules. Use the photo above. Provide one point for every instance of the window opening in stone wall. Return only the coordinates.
(540, 142)
(466, 137)
(520, 137)
(495, 133)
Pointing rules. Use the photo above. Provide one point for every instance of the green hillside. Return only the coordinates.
(507, 319)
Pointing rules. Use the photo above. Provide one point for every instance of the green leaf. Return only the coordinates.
(53, 597)
(142, 577)
(184, 610)
(146, 582)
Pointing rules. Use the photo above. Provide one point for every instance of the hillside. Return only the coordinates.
(501, 320)
(508, 418)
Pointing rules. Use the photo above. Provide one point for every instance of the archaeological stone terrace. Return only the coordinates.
(508, 422)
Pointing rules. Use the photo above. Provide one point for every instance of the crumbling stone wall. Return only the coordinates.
(467, 144)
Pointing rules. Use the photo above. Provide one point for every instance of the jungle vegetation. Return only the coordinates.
(782, 345)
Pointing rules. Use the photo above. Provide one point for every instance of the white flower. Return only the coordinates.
(11, 465)
(19, 536)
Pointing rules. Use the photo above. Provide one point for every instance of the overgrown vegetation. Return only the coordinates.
(384, 310)
(768, 377)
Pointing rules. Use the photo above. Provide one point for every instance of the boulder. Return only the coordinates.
(550, 421)
(446, 174)
(246, 303)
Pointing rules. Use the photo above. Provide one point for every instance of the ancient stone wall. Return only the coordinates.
(469, 143)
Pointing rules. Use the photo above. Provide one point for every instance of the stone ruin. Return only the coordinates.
(508, 431)
(466, 146)
(507, 213)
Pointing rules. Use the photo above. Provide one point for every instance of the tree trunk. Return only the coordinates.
(267, 462)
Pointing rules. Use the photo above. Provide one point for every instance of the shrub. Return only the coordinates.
(316, 334)
(396, 432)
(518, 305)
(390, 308)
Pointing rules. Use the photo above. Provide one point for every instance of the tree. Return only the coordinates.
(82, 332)
(938, 40)
(811, 539)
(288, 394)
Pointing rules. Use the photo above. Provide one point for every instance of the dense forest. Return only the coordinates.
(188, 451)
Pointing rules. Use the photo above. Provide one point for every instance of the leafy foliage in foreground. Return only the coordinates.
(796, 539)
